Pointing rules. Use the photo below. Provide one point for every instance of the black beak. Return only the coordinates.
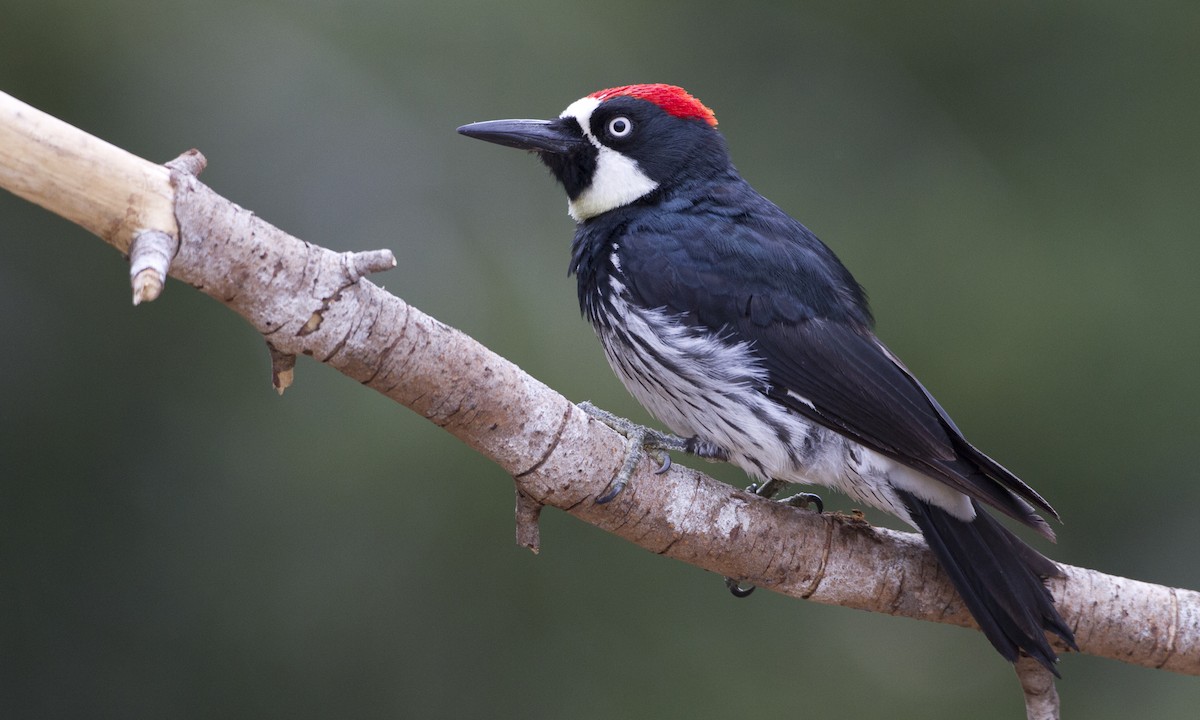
(552, 136)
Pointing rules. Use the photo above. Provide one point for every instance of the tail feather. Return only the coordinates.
(999, 577)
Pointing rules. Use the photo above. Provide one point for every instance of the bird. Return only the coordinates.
(744, 334)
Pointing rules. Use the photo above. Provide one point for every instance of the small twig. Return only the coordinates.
(151, 251)
(529, 533)
(1041, 696)
(360, 264)
(283, 368)
(191, 162)
(150, 256)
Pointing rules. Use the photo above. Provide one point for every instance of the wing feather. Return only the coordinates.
(768, 281)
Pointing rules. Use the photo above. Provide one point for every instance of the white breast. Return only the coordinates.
(701, 384)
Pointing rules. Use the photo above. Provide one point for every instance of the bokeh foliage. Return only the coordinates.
(1017, 185)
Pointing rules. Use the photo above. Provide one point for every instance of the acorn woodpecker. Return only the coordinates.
(742, 332)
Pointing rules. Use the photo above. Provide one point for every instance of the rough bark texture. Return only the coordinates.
(98, 186)
(308, 300)
(1041, 697)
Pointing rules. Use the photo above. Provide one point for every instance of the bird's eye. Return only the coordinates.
(619, 127)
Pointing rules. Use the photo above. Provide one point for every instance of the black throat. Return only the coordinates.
(576, 168)
(591, 260)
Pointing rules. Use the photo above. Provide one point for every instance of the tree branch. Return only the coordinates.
(307, 300)
(1041, 697)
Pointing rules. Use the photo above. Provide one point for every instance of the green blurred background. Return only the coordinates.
(1016, 184)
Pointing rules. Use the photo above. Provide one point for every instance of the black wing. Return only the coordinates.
(767, 280)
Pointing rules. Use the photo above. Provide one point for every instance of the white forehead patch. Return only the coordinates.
(582, 110)
(617, 181)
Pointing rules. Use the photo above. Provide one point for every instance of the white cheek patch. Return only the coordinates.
(617, 180)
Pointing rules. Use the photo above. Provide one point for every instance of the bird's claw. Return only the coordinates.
(617, 486)
(804, 499)
(768, 489)
(736, 589)
(639, 441)
(772, 487)
(635, 438)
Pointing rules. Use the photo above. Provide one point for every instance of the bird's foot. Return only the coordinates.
(769, 490)
(736, 589)
(641, 441)
(803, 500)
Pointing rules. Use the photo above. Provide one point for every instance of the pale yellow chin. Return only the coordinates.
(617, 181)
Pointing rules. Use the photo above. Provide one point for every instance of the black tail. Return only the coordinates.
(999, 577)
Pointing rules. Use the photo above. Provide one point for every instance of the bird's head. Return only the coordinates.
(617, 146)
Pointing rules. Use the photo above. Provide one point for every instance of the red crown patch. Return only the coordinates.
(674, 100)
